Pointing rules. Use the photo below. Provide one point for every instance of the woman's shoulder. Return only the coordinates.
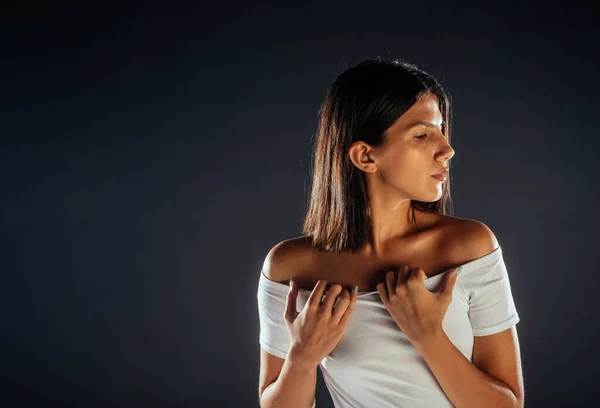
(467, 239)
(288, 257)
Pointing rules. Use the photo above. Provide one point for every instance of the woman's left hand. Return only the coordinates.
(417, 311)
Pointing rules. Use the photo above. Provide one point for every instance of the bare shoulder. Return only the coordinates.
(469, 239)
(288, 258)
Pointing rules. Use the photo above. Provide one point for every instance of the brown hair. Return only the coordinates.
(361, 104)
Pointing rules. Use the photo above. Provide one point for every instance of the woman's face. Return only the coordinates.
(414, 149)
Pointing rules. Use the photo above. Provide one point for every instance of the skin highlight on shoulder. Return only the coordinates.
(472, 240)
(286, 259)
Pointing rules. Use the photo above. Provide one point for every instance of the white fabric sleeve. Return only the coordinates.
(272, 298)
(491, 305)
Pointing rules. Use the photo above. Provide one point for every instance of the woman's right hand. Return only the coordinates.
(318, 328)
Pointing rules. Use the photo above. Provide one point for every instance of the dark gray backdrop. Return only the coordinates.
(152, 155)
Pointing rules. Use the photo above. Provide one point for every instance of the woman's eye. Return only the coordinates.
(420, 137)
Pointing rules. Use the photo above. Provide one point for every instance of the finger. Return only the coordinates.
(383, 293)
(417, 275)
(290, 307)
(390, 279)
(314, 300)
(347, 313)
(331, 296)
(403, 273)
(341, 307)
(449, 283)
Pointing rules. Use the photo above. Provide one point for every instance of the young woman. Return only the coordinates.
(398, 303)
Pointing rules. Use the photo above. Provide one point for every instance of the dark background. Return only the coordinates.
(153, 154)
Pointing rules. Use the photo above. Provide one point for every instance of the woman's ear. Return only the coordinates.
(360, 154)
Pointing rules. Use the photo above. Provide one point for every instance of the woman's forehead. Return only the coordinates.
(425, 112)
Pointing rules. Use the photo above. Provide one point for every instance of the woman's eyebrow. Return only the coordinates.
(424, 123)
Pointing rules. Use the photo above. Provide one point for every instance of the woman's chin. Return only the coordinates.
(429, 198)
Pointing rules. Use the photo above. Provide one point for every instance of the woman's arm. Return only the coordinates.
(495, 378)
(467, 385)
(295, 386)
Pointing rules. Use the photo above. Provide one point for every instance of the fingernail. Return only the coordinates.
(459, 268)
(355, 289)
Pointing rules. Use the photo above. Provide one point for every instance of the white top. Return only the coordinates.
(374, 364)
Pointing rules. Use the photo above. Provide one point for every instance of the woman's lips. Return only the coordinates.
(441, 177)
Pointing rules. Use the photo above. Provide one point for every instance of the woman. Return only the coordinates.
(418, 333)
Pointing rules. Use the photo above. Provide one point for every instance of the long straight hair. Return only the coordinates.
(363, 102)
